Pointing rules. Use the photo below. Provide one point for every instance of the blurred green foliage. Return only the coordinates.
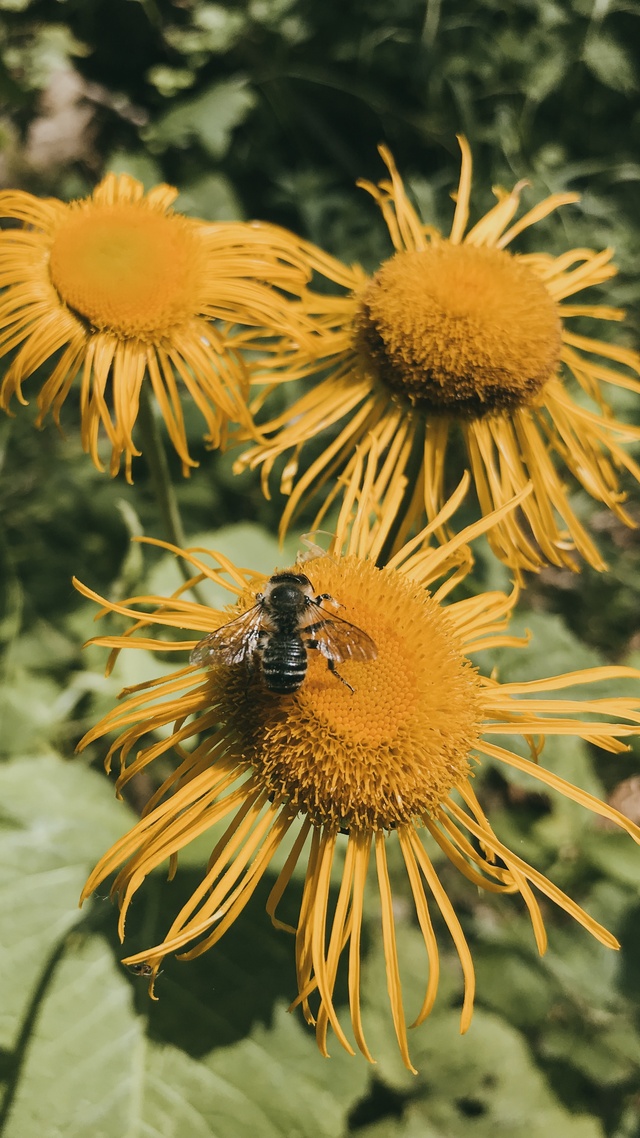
(272, 109)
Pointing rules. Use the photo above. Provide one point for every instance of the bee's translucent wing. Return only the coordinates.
(339, 640)
(232, 643)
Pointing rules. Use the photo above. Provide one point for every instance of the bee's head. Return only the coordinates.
(288, 590)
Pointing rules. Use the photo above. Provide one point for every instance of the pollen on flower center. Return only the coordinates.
(133, 272)
(460, 329)
(391, 750)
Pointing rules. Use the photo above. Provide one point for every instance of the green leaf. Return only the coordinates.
(137, 164)
(90, 1068)
(215, 30)
(546, 74)
(285, 1080)
(211, 197)
(412, 1127)
(585, 970)
(57, 818)
(606, 1053)
(86, 1051)
(28, 711)
(170, 80)
(513, 985)
(615, 855)
(209, 118)
(610, 63)
(83, 1057)
(553, 649)
(486, 1084)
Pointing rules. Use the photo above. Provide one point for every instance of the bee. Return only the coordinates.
(286, 622)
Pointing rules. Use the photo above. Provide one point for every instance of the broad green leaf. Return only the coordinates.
(90, 1068)
(215, 29)
(169, 81)
(607, 1052)
(615, 855)
(282, 1074)
(585, 970)
(485, 1083)
(514, 986)
(42, 647)
(86, 1051)
(547, 74)
(408, 1127)
(81, 1069)
(57, 818)
(610, 63)
(137, 165)
(211, 197)
(553, 649)
(28, 710)
(209, 118)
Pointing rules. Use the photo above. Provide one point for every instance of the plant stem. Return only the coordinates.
(155, 454)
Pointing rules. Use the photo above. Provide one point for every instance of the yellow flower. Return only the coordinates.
(336, 770)
(118, 289)
(456, 332)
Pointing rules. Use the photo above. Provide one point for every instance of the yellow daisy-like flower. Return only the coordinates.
(351, 771)
(457, 332)
(120, 290)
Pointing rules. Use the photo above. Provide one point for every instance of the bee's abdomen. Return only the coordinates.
(284, 664)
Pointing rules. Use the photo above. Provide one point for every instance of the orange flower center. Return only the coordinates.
(128, 270)
(459, 329)
(392, 749)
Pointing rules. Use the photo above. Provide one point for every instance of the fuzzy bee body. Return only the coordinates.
(286, 622)
(284, 663)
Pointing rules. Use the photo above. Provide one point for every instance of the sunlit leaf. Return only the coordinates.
(610, 63)
(209, 118)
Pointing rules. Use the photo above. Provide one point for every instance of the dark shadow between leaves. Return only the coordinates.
(381, 1103)
(629, 936)
(216, 999)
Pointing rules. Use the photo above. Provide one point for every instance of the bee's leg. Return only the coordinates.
(314, 628)
(327, 597)
(334, 672)
(310, 642)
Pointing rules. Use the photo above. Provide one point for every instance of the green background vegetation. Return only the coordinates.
(272, 109)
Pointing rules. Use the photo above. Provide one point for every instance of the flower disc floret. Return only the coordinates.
(134, 273)
(457, 328)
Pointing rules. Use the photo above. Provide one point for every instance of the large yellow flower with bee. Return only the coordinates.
(343, 770)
